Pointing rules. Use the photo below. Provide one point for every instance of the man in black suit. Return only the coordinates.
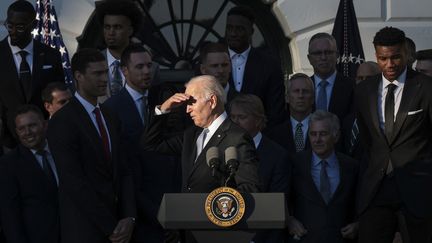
(292, 133)
(28, 183)
(23, 79)
(254, 71)
(394, 118)
(96, 195)
(333, 91)
(205, 105)
(215, 60)
(323, 187)
(154, 174)
(247, 111)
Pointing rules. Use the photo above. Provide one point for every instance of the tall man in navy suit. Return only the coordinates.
(394, 118)
(254, 71)
(97, 203)
(28, 183)
(154, 174)
(27, 66)
(333, 91)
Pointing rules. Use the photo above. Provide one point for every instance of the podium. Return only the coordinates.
(186, 211)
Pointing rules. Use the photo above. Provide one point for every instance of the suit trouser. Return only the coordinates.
(386, 215)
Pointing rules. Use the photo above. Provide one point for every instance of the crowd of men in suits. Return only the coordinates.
(353, 158)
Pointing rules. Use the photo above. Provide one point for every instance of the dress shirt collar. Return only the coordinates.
(331, 160)
(46, 148)
(331, 80)
(216, 123)
(305, 121)
(400, 81)
(244, 54)
(16, 49)
(89, 107)
(257, 139)
(136, 96)
(110, 58)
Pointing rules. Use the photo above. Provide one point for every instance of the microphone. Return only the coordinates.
(231, 160)
(212, 159)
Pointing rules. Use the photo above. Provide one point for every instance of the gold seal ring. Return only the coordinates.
(224, 206)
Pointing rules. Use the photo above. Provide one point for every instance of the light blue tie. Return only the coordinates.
(321, 103)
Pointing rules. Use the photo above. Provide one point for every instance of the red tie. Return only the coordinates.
(103, 133)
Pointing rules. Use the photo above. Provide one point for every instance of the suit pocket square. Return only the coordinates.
(47, 66)
(414, 112)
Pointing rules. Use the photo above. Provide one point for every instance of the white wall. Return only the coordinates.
(301, 19)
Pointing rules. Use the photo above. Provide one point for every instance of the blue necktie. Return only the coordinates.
(321, 103)
(324, 182)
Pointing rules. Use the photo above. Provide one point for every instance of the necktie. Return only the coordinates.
(298, 137)
(144, 113)
(389, 111)
(116, 81)
(46, 167)
(321, 103)
(324, 182)
(354, 135)
(103, 133)
(25, 75)
(201, 141)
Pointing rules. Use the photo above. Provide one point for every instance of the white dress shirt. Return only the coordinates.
(238, 64)
(137, 98)
(382, 94)
(17, 56)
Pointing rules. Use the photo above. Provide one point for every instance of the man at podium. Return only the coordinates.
(205, 105)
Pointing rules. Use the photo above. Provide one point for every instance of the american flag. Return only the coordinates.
(47, 31)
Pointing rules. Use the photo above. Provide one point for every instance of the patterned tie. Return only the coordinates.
(25, 75)
(117, 82)
(324, 182)
(46, 167)
(103, 133)
(298, 137)
(321, 103)
(354, 136)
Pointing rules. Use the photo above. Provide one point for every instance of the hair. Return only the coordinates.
(332, 119)
(132, 48)
(50, 88)
(389, 36)
(22, 7)
(242, 11)
(300, 76)
(424, 54)
(124, 8)
(212, 47)
(323, 35)
(28, 108)
(209, 86)
(83, 57)
(251, 105)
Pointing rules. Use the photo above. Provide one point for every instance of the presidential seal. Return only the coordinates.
(224, 206)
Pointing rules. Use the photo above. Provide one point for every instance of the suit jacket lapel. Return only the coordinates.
(248, 77)
(38, 60)
(410, 89)
(373, 104)
(215, 140)
(10, 70)
(31, 163)
(342, 179)
(315, 194)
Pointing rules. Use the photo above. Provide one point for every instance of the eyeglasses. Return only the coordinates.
(320, 53)
(20, 28)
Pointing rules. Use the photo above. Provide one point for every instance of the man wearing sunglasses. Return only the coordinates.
(27, 66)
